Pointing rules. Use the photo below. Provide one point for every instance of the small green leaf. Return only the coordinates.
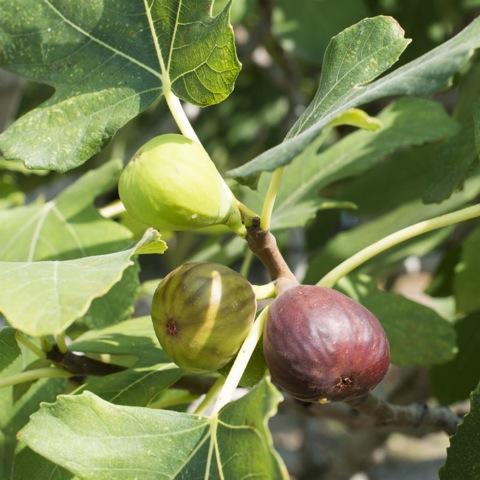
(355, 117)
(467, 275)
(353, 58)
(59, 292)
(108, 63)
(117, 442)
(453, 381)
(9, 349)
(463, 461)
(66, 227)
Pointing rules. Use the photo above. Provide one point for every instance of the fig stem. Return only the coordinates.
(60, 341)
(180, 116)
(32, 375)
(262, 292)
(172, 101)
(27, 343)
(359, 258)
(113, 209)
(203, 405)
(240, 363)
(270, 197)
(264, 245)
(46, 346)
(415, 415)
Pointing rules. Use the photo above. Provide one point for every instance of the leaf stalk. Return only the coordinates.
(394, 239)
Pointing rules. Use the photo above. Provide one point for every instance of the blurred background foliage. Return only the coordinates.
(281, 45)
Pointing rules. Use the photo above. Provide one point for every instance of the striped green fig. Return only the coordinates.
(172, 184)
(201, 314)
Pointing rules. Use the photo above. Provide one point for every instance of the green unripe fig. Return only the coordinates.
(201, 314)
(172, 184)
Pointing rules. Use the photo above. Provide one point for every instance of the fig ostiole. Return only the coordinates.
(201, 313)
(321, 345)
(172, 184)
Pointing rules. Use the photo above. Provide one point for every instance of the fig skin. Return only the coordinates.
(202, 313)
(172, 184)
(321, 345)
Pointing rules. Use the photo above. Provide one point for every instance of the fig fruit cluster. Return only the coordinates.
(172, 184)
(321, 345)
(201, 314)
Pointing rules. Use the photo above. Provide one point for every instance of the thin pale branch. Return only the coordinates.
(416, 415)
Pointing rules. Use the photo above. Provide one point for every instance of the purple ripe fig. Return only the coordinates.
(321, 345)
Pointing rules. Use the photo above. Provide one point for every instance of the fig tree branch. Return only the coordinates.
(416, 415)
(264, 245)
(80, 364)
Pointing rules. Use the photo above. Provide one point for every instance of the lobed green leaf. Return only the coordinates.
(97, 440)
(453, 381)
(108, 61)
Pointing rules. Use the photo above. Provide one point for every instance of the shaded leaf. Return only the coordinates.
(399, 207)
(467, 275)
(9, 350)
(418, 335)
(441, 284)
(453, 381)
(463, 461)
(476, 122)
(457, 156)
(118, 304)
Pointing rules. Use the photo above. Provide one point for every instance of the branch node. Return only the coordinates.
(264, 245)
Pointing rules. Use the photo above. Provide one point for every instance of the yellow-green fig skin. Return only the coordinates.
(172, 184)
(202, 313)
